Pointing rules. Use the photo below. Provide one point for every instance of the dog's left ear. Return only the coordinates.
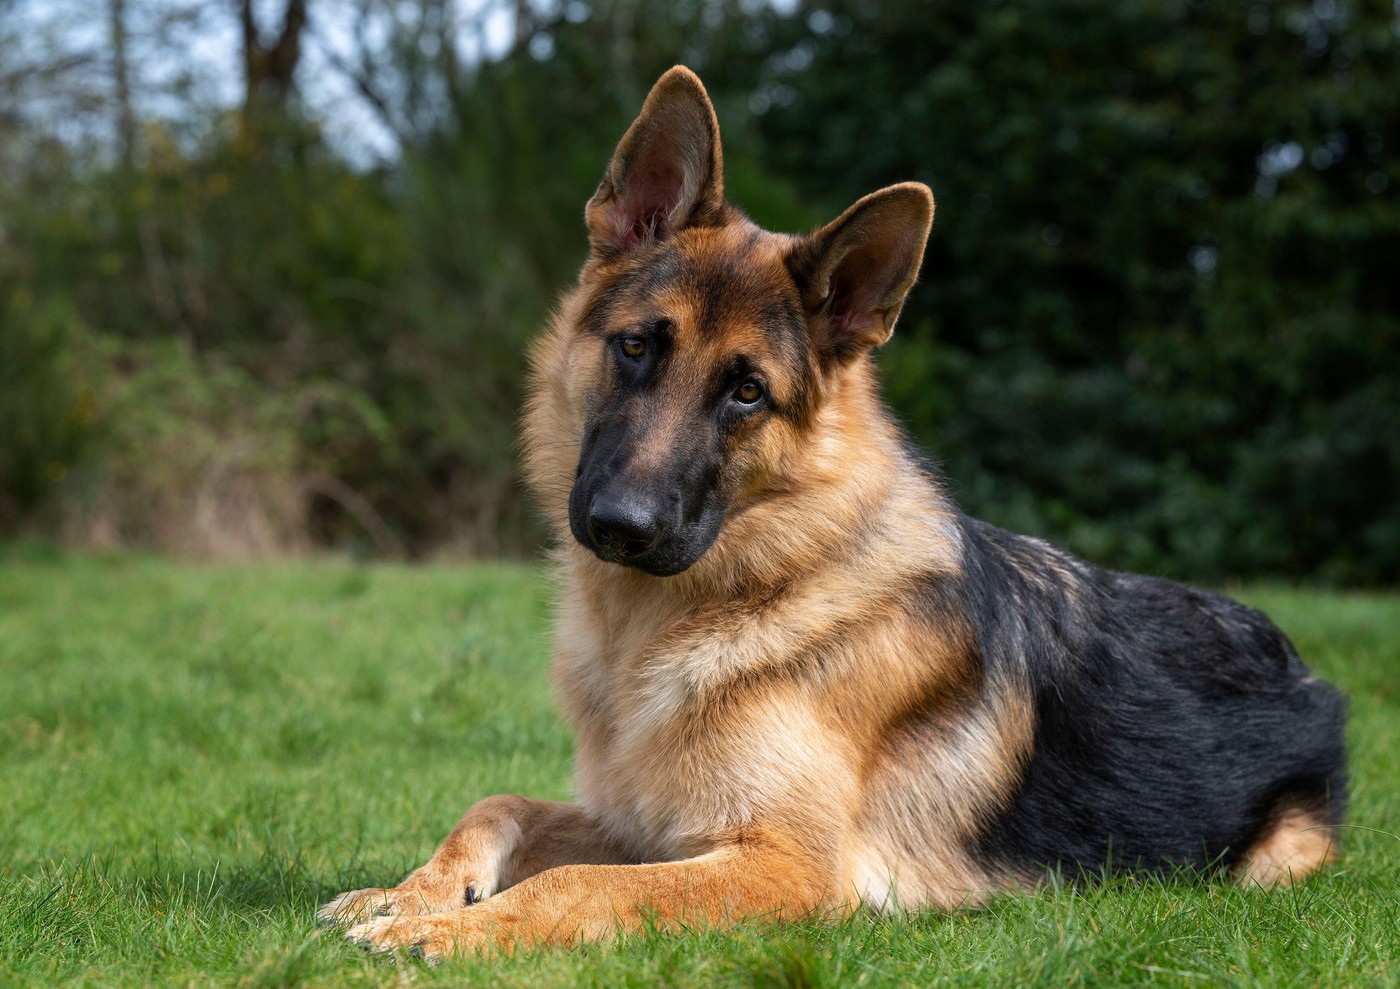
(854, 272)
(667, 172)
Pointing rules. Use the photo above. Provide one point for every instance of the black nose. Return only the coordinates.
(623, 526)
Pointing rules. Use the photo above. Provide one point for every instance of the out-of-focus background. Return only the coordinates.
(268, 267)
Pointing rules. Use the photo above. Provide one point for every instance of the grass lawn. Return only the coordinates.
(192, 758)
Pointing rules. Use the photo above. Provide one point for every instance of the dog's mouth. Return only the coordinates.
(659, 557)
(655, 564)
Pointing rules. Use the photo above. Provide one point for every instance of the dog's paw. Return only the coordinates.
(430, 938)
(361, 905)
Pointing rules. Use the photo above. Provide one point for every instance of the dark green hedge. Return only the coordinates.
(1159, 319)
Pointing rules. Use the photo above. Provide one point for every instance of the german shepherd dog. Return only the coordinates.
(801, 679)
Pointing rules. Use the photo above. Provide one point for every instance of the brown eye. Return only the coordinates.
(634, 347)
(749, 392)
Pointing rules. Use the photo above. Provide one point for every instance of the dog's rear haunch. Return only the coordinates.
(800, 678)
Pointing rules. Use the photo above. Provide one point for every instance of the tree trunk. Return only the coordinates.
(269, 70)
(121, 84)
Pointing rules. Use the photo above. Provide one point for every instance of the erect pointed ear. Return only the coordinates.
(667, 172)
(854, 272)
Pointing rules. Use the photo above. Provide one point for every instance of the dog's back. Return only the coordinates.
(1174, 727)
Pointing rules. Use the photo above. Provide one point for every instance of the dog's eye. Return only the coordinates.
(749, 392)
(633, 347)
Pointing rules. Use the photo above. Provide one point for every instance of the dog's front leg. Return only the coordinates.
(500, 841)
(571, 903)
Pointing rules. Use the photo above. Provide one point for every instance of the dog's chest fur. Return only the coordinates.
(676, 743)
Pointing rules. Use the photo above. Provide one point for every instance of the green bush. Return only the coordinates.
(1158, 320)
(195, 458)
(49, 388)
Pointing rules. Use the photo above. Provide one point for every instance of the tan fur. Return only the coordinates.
(769, 732)
(1299, 843)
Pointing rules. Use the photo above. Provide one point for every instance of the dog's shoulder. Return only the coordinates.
(1057, 614)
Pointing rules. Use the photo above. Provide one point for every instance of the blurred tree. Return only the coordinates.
(270, 57)
(47, 78)
(1158, 288)
(121, 85)
(1158, 319)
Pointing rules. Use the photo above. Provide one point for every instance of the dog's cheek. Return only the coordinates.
(590, 382)
(760, 462)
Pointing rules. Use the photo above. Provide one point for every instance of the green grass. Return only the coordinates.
(192, 758)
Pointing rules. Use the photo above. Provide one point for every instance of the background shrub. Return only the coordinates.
(1158, 322)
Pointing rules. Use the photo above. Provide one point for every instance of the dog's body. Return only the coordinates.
(801, 678)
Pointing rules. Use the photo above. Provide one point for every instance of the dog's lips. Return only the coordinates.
(657, 564)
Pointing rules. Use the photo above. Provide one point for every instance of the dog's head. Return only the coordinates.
(685, 378)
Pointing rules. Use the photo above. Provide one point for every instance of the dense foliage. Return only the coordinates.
(1159, 318)
(1160, 310)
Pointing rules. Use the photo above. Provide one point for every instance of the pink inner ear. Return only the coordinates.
(852, 297)
(645, 226)
(646, 212)
(838, 310)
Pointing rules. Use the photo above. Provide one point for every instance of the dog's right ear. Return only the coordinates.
(666, 174)
(855, 272)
